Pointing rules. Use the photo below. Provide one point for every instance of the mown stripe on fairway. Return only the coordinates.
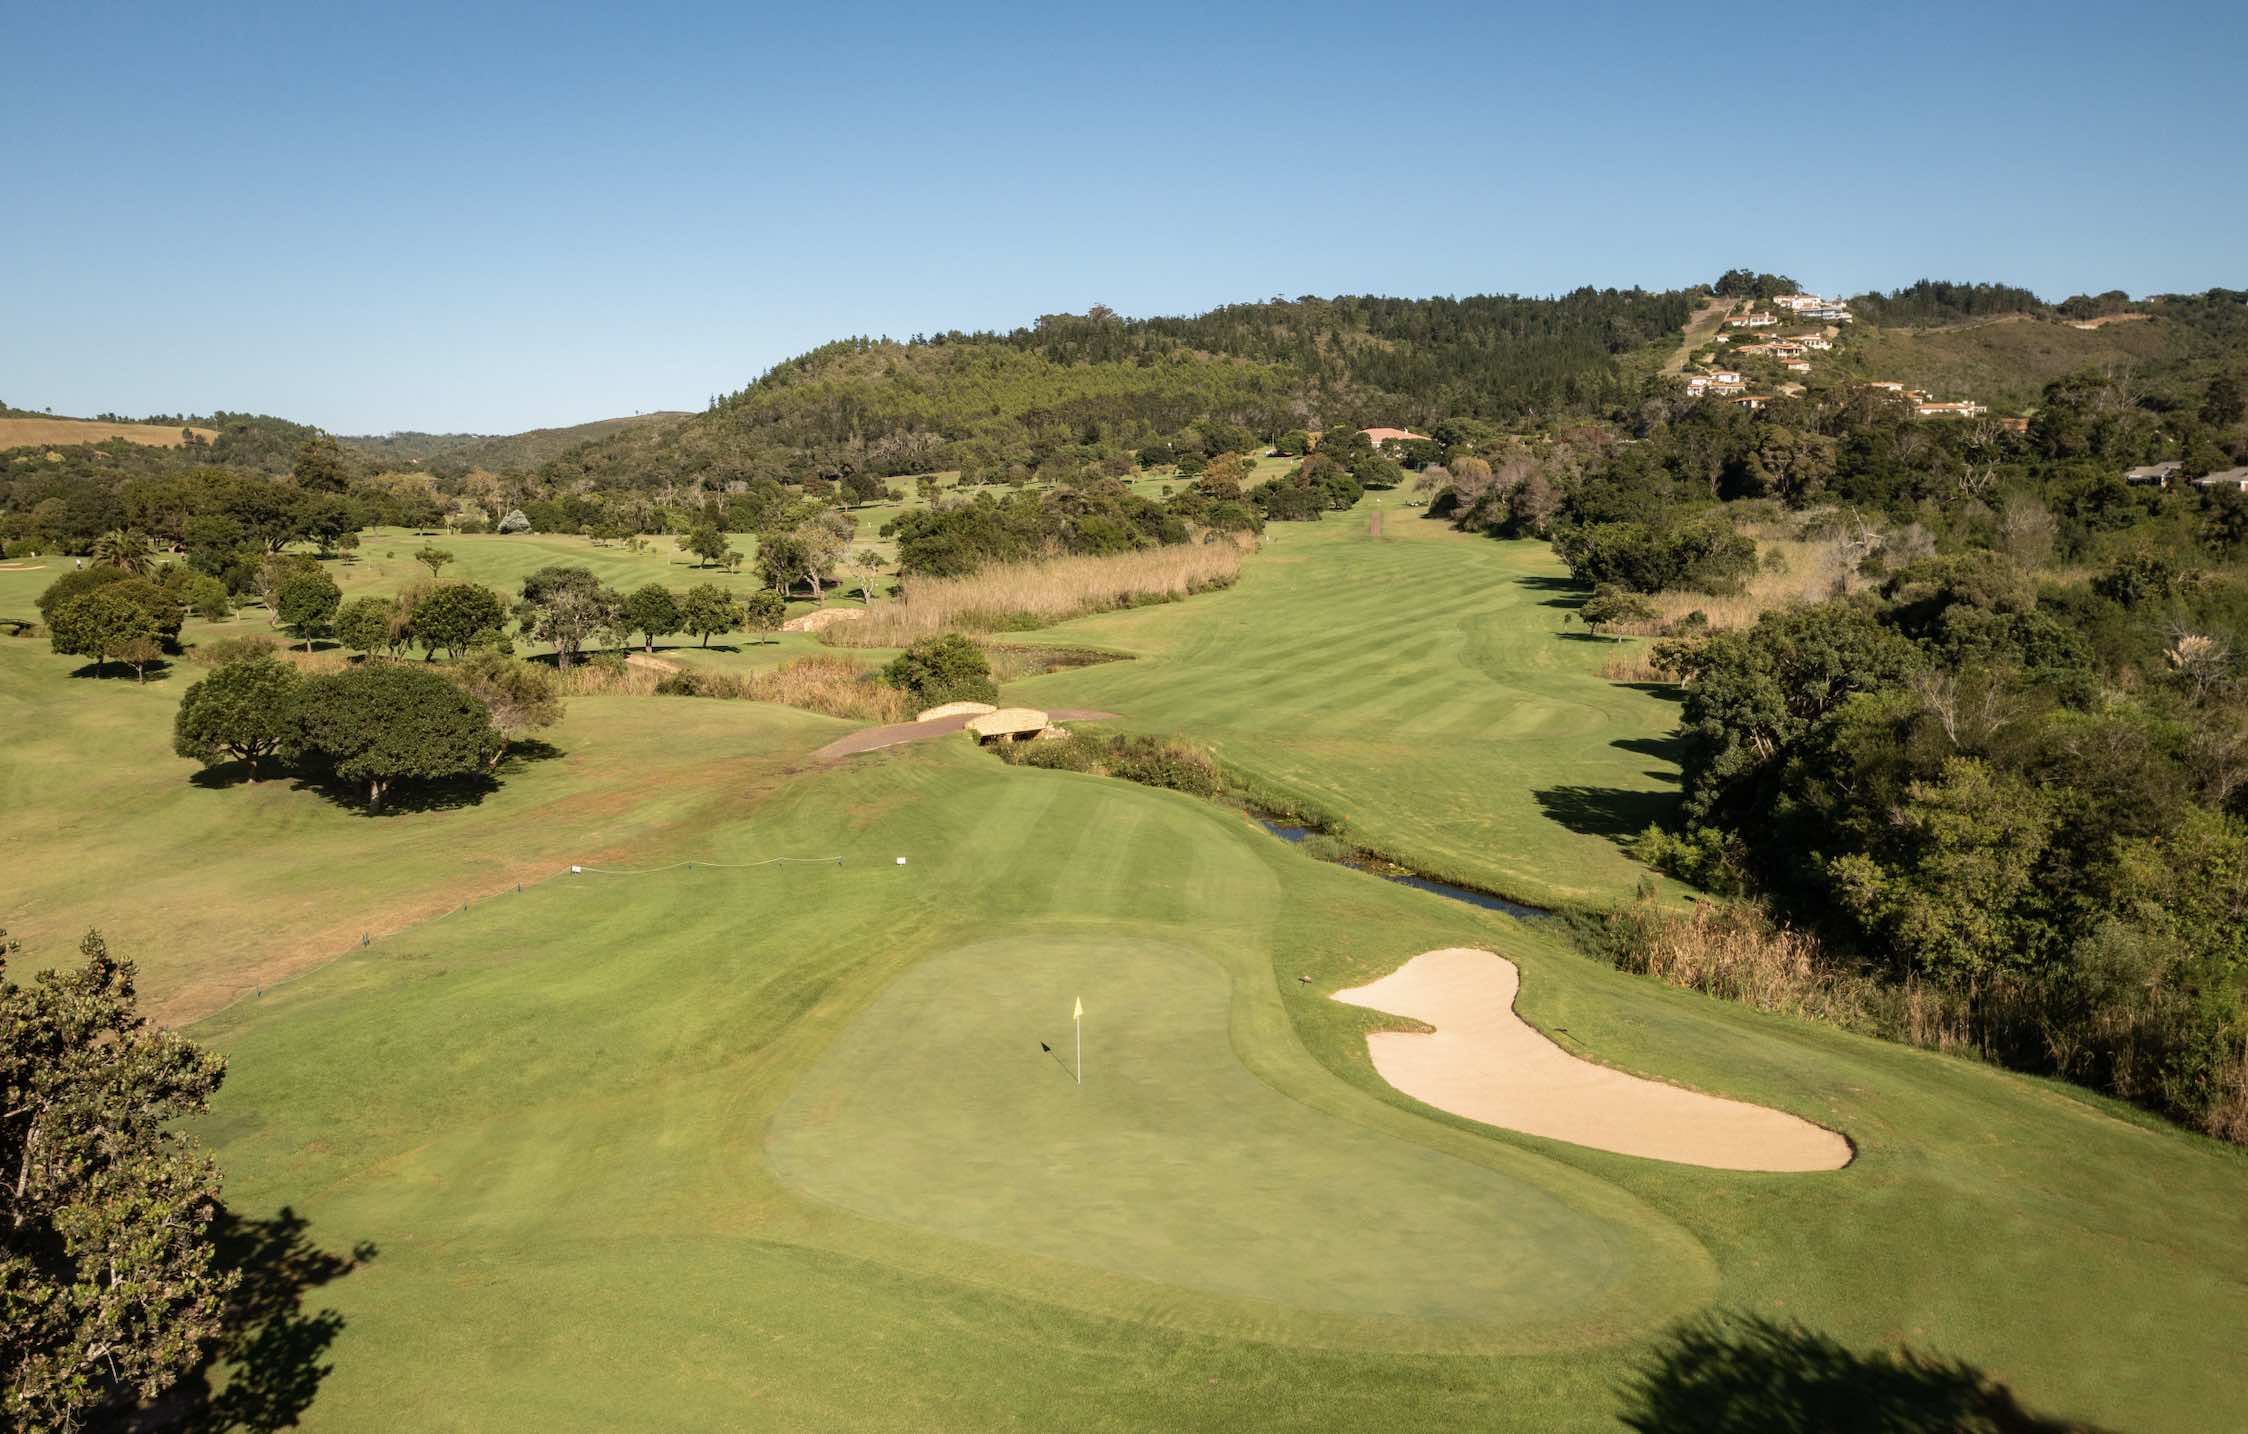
(1382, 681)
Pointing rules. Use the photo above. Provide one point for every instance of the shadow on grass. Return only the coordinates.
(1670, 749)
(526, 750)
(1546, 583)
(1754, 1376)
(273, 1352)
(157, 671)
(1608, 812)
(221, 775)
(1668, 691)
(448, 795)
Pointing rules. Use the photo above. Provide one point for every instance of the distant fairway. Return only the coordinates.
(1424, 685)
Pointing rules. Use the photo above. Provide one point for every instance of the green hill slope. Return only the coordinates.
(1077, 387)
(2007, 362)
(500, 453)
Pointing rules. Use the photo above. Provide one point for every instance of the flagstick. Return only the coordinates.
(1079, 1022)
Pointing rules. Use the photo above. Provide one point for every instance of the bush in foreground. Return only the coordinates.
(111, 1285)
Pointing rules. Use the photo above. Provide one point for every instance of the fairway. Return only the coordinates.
(690, 1141)
(1170, 1162)
(1423, 685)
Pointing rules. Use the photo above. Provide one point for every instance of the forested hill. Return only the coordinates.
(498, 453)
(1076, 388)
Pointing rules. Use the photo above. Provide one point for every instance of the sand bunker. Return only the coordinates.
(1486, 1063)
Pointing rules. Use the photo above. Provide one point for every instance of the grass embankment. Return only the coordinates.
(778, 1147)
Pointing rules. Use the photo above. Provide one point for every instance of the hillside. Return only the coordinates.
(1077, 388)
(17, 431)
(497, 453)
(2007, 362)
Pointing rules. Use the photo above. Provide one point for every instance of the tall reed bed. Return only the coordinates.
(828, 683)
(1017, 596)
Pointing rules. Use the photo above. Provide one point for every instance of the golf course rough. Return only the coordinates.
(1486, 1063)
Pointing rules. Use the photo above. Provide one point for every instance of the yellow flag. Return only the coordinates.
(1079, 1013)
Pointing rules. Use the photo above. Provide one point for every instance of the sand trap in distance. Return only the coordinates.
(1486, 1063)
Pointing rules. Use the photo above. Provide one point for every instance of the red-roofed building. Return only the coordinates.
(1380, 436)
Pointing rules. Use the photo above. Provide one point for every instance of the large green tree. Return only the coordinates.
(109, 1290)
(76, 585)
(566, 607)
(245, 710)
(452, 616)
(103, 625)
(130, 551)
(653, 612)
(706, 543)
(709, 609)
(363, 625)
(392, 722)
(764, 611)
(305, 602)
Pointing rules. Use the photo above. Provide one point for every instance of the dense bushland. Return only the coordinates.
(1982, 767)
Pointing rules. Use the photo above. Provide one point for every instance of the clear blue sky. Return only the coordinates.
(494, 217)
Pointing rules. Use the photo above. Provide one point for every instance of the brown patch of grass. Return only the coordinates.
(827, 683)
(1635, 663)
(836, 685)
(25, 432)
(1026, 595)
(1791, 570)
(1737, 952)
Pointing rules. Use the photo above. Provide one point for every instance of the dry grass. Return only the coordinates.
(1791, 570)
(1739, 954)
(1634, 663)
(1736, 952)
(1016, 596)
(26, 432)
(831, 684)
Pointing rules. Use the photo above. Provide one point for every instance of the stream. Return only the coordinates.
(1294, 833)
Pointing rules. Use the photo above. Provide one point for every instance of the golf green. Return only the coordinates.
(1170, 1161)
